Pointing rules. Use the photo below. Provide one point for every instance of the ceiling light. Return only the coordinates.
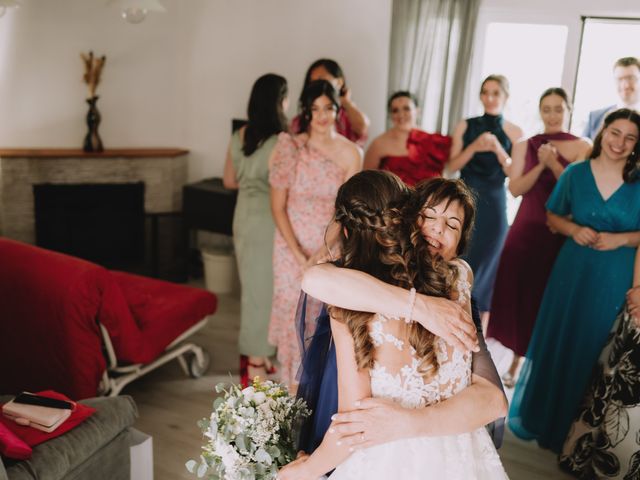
(135, 11)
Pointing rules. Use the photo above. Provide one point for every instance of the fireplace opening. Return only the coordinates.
(102, 223)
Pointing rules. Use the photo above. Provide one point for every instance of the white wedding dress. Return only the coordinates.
(395, 376)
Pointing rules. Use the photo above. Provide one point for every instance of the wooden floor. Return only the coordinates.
(170, 404)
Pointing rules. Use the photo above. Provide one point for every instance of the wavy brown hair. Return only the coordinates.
(631, 169)
(431, 275)
(434, 191)
(379, 239)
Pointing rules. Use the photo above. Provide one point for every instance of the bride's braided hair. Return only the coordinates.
(379, 239)
(362, 208)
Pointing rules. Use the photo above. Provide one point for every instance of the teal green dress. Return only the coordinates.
(253, 231)
(584, 294)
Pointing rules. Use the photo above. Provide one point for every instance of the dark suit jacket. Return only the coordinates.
(596, 118)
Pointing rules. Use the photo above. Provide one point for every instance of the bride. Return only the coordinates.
(385, 357)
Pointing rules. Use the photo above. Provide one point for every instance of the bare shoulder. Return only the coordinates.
(513, 131)
(349, 150)
(460, 128)
(464, 268)
(583, 147)
(380, 141)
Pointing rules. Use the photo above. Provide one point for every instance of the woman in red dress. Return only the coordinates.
(404, 149)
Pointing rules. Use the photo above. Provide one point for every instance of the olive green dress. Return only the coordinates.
(253, 231)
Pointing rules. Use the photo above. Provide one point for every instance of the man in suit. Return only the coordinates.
(626, 72)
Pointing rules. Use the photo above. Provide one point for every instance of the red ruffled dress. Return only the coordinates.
(427, 155)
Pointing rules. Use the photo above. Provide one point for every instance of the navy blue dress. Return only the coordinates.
(483, 174)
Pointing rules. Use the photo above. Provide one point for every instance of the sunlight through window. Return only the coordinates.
(514, 50)
(603, 42)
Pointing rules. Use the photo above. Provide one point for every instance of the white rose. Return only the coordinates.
(259, 398)
(248, 393)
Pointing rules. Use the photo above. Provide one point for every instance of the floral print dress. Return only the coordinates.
(604, 441)
(312, 181)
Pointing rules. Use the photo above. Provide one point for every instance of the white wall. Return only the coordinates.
(245, 38)
(178, 78)
(558, 12)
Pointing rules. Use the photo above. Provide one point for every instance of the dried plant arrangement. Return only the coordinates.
(92, 70)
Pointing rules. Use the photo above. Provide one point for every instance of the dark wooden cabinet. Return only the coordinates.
(206, 205)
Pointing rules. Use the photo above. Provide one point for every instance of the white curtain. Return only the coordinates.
(430, 55)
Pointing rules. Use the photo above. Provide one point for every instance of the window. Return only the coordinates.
(603, 42)
(531, 56)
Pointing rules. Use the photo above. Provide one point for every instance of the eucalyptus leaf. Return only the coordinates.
(202, 469)
(241, 442)
(191, 466)
(274, 451)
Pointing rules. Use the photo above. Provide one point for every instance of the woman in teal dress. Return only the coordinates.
(246, 169)
(481, 150)
(596, 204)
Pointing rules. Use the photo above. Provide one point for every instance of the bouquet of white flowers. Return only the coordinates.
(251, 432)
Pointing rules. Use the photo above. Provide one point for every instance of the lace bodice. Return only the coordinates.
(395, 372)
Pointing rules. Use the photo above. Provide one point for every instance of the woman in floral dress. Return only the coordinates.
(604, 441)
(305, 173)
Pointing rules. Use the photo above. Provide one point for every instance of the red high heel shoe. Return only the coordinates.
(270, 367)
(244, 370)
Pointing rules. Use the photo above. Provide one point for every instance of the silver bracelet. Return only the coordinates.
(410, 305)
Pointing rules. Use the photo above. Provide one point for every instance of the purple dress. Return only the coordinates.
(528, 255)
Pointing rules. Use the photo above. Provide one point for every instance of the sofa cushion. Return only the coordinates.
(162, 311)
(12, 446)
(55, 458)
(49, 304)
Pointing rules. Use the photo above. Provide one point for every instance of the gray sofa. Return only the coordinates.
(96, 449)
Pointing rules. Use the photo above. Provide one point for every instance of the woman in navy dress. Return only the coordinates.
(480, 150)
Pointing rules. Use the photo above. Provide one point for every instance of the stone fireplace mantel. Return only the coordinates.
(163, 171)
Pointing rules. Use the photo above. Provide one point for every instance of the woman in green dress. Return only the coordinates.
(596, 205)
(246, 169)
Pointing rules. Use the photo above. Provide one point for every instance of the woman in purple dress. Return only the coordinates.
(530, 248)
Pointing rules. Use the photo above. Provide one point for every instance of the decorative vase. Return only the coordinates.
(92, 141)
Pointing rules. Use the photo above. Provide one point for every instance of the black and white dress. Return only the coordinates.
(604, 440)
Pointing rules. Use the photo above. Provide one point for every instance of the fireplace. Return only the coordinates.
(103, 223)
(162, 170)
